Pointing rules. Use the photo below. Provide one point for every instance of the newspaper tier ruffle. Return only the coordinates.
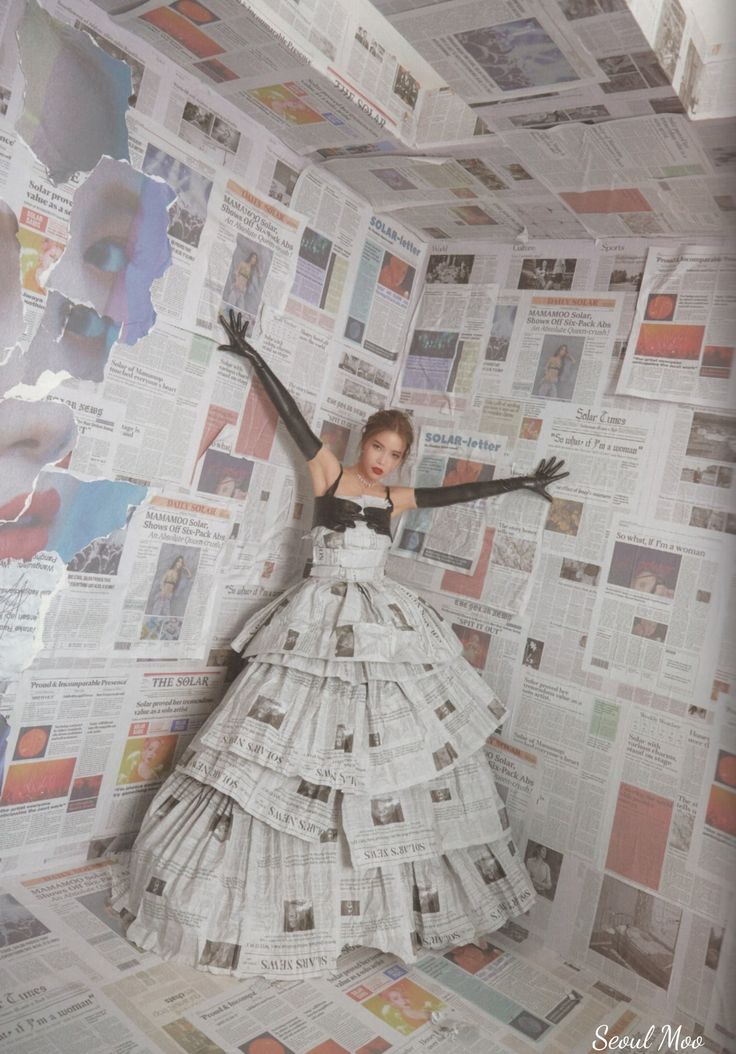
(338, 796)
(212, 887)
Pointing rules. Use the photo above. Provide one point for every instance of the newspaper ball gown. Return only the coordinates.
(338, 796)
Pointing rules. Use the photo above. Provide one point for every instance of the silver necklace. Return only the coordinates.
(364, 482)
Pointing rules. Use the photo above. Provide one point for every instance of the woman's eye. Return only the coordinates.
(107, 254)
(86, 323)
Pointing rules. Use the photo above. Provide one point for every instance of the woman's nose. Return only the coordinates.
(32, 434)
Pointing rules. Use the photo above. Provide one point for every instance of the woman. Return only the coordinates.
(554, 369)
(168, 586)
(333, 652)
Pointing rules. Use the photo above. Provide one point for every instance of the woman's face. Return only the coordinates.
(645, 581)
(179, 562)
(397, 999)
(381, 454)
(151, 750)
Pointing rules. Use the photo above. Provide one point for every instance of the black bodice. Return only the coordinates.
(340, 513)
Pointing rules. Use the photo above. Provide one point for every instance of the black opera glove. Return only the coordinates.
(283, 401)
(547, 471)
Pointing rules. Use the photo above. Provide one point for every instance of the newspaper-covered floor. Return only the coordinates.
(71, 982)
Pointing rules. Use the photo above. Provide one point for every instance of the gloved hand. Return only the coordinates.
(547, 471)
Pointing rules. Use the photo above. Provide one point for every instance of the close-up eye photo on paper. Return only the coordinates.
(367, 526)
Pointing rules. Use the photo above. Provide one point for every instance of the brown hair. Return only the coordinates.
(389, 421)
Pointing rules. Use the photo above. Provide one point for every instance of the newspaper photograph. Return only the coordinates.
(655, 617)
(683, 339)
(494, 365)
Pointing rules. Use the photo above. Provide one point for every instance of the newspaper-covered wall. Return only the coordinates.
(551, 277)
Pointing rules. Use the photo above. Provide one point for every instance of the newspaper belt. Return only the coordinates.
(348, 565)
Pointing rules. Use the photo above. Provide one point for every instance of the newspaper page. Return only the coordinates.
(281, 90)
(51, 986)
(638, 177)
(172, 552)
(79, 899)
(620, 269)
(495, 365)
(162, 404)
(684, 335)
(364, 56)
(165, 705)
(62, 730)
(493, 49)
(251, 261)
(495, 999)
(573, 734)
(610, 455)
(457, 262)
(651, 806)
(655, 619)
(635, 940)
(695, 484)
(451, 331)
(517, 771)
(385, 289)
(359, 378)
(562, 344)
(336, 223)
(450, 537)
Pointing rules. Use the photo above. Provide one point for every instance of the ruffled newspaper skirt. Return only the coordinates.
(338, 796)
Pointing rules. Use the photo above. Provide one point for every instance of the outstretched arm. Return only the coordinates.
(548, 471)
(283, 401)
